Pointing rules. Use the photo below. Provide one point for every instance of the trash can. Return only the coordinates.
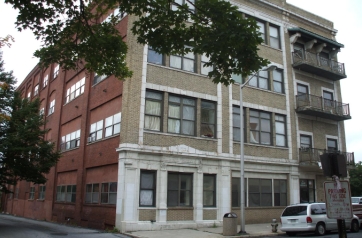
(230, 224)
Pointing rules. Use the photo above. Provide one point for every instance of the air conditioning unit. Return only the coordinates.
(91, 139)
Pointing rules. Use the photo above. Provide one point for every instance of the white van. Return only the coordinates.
(356, 200)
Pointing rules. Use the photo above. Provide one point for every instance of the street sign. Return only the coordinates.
(338, 200)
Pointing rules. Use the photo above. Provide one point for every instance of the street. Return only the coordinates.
(18, 227)
(330, 235)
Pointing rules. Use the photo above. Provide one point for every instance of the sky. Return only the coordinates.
(347, 18)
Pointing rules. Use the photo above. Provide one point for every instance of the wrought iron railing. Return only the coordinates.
(311, 156)
(322, 104)
(318, 61)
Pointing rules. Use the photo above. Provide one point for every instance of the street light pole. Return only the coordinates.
(242, 187)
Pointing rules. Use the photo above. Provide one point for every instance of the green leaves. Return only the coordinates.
(74, 36)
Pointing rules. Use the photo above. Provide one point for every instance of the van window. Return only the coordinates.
(295, 211)
(318, 209)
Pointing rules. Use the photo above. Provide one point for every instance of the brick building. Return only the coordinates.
(161, 149)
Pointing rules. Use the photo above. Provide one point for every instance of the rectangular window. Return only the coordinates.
(75, 90)
(205, 69)
(280, 131)
(176, 4)
(113, 125)
(332, 145)
(51, 107)
(208, 119)
(92, 193)
(42, 192)
(302, 91)
(45, 81)
(307, 194)
(260, 129)
(305, 142)
(98, 78)
(261, 80)
(260, 192)
(235, 192)
(184, 62)
(328, 100)
(56, 71)
(148, 189)
(70, 141)
(71, 193)
(29, 95)
(274, 36)
(209, 193)
(236, 123)
(280, 192)
(278, 81)
(261, 26)
(109, 193)
(179, 190)
(31, 193)
(154, 57)
(61, 191)
(96, 131)
(181, 115)
(153, 111)
(36, 89)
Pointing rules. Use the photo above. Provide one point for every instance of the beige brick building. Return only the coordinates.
(179, 155)
(161, 150)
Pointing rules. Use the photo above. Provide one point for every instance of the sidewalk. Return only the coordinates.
(252, 230)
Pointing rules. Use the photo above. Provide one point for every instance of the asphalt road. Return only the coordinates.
(18, 227)
(329, 235)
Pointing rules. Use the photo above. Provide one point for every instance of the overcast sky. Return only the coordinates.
(347, 18)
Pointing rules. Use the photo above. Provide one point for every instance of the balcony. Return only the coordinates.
(320, 107)
(310, 156)
(314, 64)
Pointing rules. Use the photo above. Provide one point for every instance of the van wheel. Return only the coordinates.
(291, 233)
(354, 226)
(320, 229)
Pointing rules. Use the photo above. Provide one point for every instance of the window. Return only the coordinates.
(208, 119)
(191, 7)
(148, 189)
(185, 62)
(274, 37)
(209, 193)
(298, 51)
(154, 57)
(261, 26)
(75, 90)
(45, 82)
(181, 115)
(109, 193)
(328, 100)
(260, 129)
(31, 193)
(41, 192)
(96, 131)
(66, 193)
(280, 192)
(70, 141)
(153, 111)
(332, 145)
(92, 193)
(51, 107)
(305, 142)
(261, 80)
(29, 95)
(56, 71)
(302, 91)
(113, 125)
(71, 193)
(280, 131)
(98, 78)
(324, 59)
(41, 111)
(278, 81)
(205, 69)
(236, 123)
(260, 192)
(179, 190)
(115, 13)
(36, 89)
(307, 194)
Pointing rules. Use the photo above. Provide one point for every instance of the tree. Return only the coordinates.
(73, 35)
(24, 154)
(356, 180)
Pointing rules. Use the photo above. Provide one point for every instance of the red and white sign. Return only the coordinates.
(338, 200)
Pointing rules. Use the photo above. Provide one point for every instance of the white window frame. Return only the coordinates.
(96, 131)
(112, 123)
(51, 107)
(75, 90)
(56, 71)
(70, 141)
(36, 89)
(45, 82)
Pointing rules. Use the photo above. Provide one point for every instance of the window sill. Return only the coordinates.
(103, 139)
(40, 200)
(264, 90)
(68, 203)
(99, 205)
(176, 69)
(179, 135)
(263, 44)
(69, 150)
(266, 146)
(180, 208)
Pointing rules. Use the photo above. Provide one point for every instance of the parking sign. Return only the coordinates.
(338, 200)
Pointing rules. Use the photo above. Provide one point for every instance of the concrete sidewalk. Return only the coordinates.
(252, 230)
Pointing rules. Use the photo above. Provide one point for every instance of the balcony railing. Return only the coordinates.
(318, 65)
(310, 156)
(322, 107)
